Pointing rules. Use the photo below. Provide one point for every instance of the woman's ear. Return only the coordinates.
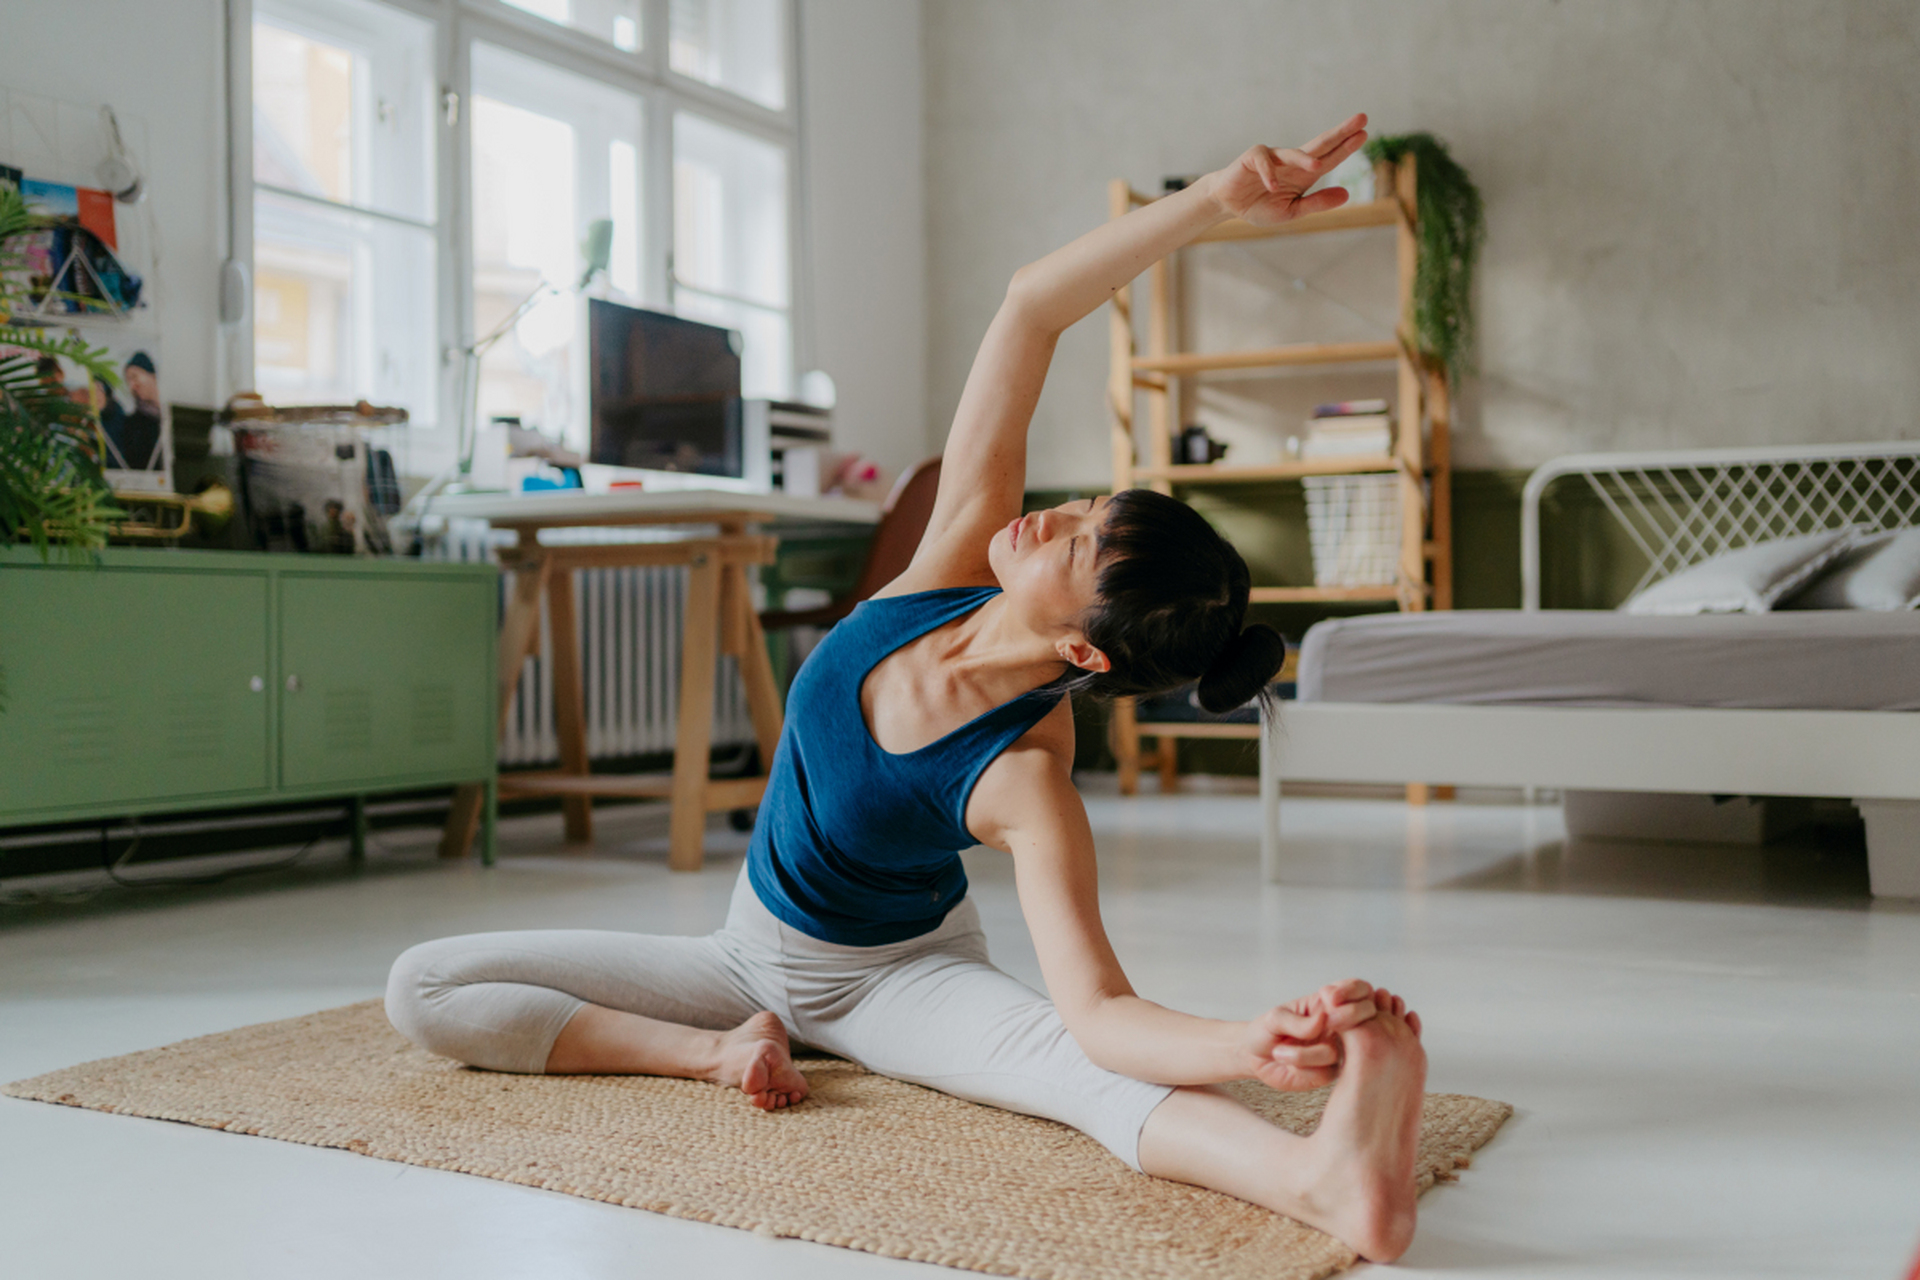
(1077, 651)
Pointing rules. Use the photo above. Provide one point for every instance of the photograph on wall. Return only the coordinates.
(132, 434)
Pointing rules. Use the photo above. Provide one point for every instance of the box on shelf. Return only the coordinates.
(1358, 435)
(1353, 529)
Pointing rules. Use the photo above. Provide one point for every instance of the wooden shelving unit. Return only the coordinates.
(1421, 454)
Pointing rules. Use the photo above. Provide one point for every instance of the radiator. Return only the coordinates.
(629, 623)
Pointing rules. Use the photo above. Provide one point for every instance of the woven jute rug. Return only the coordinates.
(865, 1162)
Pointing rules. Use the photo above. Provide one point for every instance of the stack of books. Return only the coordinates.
(1349, 429)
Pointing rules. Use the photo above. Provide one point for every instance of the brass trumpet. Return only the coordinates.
(170, 515)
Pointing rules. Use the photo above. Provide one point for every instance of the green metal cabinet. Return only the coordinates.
(173, 680)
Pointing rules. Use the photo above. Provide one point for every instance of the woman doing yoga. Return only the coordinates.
(933, 718)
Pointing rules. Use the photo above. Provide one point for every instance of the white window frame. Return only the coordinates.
(643, 73)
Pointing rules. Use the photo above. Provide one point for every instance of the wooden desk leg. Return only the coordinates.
(518, 632)
(1166, 754)
(686, 839)
(1125, 740)
(489, 820)
(744, 639)
(569, 715)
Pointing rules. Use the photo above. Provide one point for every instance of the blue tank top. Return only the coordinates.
(854, 844)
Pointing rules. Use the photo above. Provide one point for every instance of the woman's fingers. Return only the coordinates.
(1294, 1025)
(1352, 143)
(1320, 201)
(1345, 992)
(1292, 1079)
(1324, 1054)
(1347, 1016)
(1267, 165)
(1332, 138)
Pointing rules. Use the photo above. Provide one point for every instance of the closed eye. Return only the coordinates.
(1073, 545)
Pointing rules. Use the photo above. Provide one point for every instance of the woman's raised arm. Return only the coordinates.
(984, 471)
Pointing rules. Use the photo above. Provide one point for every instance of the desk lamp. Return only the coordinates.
(595, 251)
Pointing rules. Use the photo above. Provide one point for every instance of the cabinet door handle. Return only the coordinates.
(258, 684)
(293, 684)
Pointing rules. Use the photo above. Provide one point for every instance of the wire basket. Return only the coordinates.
(1353, 526)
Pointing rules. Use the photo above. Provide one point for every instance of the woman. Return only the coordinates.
(934, 718)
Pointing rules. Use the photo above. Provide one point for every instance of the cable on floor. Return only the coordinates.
(112, 866)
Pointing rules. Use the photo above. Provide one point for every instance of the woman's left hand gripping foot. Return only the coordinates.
(1297, 1045)
(755, 1057)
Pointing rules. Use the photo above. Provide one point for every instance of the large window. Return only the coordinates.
(373, 276)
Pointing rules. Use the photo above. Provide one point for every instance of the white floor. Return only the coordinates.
(1715, 1053)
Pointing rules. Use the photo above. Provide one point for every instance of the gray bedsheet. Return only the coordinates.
(1842, 660)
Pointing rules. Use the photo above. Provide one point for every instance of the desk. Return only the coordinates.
(719, 617)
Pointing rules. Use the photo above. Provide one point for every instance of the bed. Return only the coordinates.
(1800, 703)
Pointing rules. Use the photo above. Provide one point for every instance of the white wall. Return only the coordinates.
(866, 212)
(1701, 213)
(156, 62)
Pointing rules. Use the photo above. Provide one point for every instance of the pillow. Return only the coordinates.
(1749, 580)
(1881, 571)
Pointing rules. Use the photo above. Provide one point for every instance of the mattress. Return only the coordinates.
(1841, 660)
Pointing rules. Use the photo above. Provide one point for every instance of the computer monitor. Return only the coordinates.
(665, 392)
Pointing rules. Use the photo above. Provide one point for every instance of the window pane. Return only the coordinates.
(343, 308)
(623, 181)
(729, 212)
(615, 21)
(343, 104)
(303, 113)
(766, 358)
(736, 45)
(551, 152)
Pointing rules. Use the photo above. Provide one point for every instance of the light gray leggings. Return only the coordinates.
(932, 1010)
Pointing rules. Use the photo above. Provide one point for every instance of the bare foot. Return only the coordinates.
(1370, 1134)
(755, 1056)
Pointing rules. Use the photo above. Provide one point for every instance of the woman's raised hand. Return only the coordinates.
(1265, 186)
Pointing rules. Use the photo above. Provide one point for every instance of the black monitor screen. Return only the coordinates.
(666, 392)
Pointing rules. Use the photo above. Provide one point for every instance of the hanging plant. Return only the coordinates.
(1451, 229)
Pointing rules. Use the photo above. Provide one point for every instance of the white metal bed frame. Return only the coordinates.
(1677, 508)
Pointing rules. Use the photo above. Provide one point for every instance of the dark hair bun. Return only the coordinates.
(1243, 668)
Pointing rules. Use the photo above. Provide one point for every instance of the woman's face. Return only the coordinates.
(1045, 563)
